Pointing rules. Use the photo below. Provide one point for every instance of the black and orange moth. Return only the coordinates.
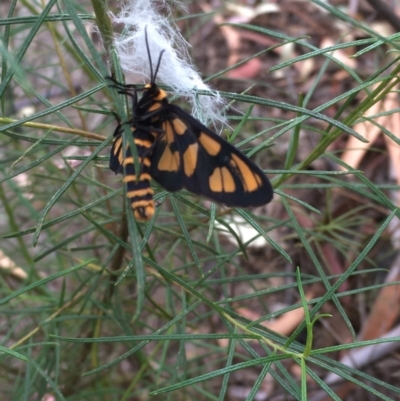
(179, 152)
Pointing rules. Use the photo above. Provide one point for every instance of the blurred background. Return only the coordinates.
(203, 301)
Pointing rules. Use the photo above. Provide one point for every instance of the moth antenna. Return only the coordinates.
(148, 54)
(152, 75)
(158, 65)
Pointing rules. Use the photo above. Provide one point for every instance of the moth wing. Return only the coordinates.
(189, 155)
(116, 155)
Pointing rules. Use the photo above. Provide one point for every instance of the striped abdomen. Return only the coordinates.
(138, 191)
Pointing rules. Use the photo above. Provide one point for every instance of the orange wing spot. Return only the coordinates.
(155, 106)
(143, 177)
(169, 132)
(251, 181)
(138, 193)
(211, 146)
(221, 180)
(190, 159)
(169, 161)
(118, 142)
(179, 127)
(117, 149)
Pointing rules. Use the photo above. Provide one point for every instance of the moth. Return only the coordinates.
(178, 151)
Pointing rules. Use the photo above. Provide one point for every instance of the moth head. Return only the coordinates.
(153, 92)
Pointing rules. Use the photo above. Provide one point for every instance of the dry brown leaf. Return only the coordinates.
(231, 35)
(248, 70)
(386, 308)
(385, 312)
(355, 150)
(244, 14)
(284, 324)
(9, 267)
(341, 55)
